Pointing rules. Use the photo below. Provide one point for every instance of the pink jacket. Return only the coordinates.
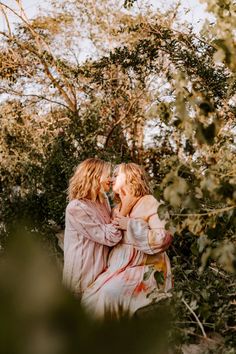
(89, 235)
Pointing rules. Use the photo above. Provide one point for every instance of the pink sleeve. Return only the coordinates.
(84, 221)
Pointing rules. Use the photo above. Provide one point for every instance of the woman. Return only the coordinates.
(89, 232)
(138, 269)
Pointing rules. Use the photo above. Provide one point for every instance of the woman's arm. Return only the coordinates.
(84, 221)
(149, 237)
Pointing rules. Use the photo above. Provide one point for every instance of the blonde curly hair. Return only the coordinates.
(136, 179)
(85, 183)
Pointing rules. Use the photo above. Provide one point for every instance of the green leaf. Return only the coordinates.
(162, 209)
(206, 135)
(194, 249)
(159, 277)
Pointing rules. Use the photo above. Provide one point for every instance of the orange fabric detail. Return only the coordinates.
(140, 287)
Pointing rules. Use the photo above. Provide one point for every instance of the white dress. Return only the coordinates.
(138, 271)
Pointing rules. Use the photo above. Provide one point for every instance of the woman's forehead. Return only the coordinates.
(116, 169)
(106, 169)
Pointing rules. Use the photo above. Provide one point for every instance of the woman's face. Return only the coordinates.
(118, 180)
(106, 180)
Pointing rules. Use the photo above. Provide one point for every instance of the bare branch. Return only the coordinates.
(33, 95)
(38, 39)
(197, 319)
(211, 212)
(72, 105)
(6, 19)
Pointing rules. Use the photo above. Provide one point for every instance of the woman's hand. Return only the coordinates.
(121, 222)
(127, 202)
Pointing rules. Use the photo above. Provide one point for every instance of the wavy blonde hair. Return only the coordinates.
(136, 179)
(85, 183)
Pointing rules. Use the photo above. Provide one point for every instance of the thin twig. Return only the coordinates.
(208, 324)
(213, 212)
(197, 319)
(232, 173)
(218, 272)
(7, 20)
(194, 334)
(13, 92)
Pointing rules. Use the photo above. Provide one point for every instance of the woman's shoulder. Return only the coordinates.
(149, 200)
(146, 206)
(86, 205)
(76, 204)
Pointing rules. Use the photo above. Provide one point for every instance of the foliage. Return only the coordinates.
(43, 317)
(142, 75)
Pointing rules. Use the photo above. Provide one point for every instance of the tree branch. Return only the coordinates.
(6, 19)
(33, 95)
(120, 120)
(72, 105)
(38, 38)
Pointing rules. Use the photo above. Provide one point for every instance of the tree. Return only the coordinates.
(141, 71)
